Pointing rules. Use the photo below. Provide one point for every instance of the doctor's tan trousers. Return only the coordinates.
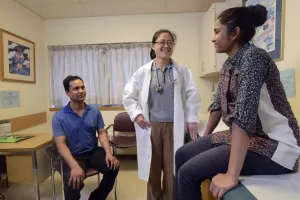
(162, 161)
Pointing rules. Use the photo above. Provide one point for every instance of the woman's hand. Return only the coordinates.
(193, 130)
(222, 183)
(140, 120)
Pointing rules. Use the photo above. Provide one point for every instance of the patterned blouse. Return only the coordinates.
(251, 95)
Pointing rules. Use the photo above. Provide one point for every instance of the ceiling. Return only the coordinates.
(55, 9)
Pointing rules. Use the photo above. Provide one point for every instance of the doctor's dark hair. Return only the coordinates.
(246, 18)
(67, 81)
(156, 35)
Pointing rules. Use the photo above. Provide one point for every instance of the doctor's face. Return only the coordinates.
(163, 46)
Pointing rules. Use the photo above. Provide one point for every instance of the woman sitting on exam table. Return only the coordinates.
(264, 136)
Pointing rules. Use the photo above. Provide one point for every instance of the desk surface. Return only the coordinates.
(31, 144)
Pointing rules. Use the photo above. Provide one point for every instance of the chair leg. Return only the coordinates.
(114, 151)
(116, 189)
(98, 179)
(6, 181)
(52, 180)
(62, 180)
(114, 154)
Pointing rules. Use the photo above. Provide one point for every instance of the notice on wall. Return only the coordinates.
(288, 80)
(9, 99)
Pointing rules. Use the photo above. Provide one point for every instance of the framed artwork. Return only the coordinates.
(17, 58)
(270, 36)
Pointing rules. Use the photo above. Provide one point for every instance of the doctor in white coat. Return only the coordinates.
(163, 101)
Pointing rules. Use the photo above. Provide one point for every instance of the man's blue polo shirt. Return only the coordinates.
(80, 132)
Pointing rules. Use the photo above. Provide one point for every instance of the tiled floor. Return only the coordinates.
(129, 186)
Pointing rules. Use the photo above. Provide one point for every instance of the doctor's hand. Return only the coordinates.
(193, 130)
(221, 184)
(140, 120)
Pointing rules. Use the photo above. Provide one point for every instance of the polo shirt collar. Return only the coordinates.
(67, 108)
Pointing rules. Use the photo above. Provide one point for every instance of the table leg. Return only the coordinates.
(35, 174)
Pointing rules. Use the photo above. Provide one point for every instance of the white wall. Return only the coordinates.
(20, 21)
(133, 28)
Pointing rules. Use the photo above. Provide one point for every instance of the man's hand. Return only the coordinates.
(76, 177)
(111, 162)
(222, 183)
(140, 120)
(193, 130)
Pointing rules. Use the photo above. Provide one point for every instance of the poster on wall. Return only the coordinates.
(270, 36)
(17, 58)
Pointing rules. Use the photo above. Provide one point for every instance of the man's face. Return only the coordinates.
(77, 91)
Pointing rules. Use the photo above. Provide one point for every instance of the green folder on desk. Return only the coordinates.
(14, 139)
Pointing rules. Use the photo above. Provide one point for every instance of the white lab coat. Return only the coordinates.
(186, 109)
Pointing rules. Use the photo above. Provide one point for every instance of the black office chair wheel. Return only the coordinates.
(2, 197)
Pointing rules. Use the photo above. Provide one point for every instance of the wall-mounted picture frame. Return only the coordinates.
(270, 36)
(17, 58)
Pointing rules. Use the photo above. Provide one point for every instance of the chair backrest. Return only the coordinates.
(123, 123)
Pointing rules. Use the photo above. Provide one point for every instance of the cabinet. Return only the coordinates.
(212, 62)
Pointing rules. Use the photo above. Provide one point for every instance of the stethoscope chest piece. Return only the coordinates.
(159, 89)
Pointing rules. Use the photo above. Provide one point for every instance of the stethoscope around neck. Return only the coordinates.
(159, 89)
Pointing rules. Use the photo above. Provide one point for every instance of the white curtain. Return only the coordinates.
(105, 70)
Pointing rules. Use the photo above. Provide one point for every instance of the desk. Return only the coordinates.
(22, 159)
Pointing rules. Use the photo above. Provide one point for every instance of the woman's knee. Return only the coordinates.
(180, 155)
(185, 174)
(181, 173)
(189, 178)
(193, 172)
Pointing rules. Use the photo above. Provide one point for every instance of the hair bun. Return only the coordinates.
(259, 14)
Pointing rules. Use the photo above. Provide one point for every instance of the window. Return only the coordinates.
(104, 68)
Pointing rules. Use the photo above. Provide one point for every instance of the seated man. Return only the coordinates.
(74, 131)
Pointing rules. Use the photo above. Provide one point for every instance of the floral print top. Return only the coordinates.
(251, 95)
